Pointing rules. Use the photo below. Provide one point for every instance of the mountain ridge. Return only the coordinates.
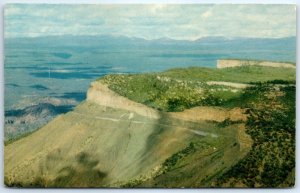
(104, 36)
(131, 143)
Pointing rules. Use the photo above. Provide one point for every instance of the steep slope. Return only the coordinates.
(110, 141)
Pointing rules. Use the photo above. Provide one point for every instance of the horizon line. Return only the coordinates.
(150, 39)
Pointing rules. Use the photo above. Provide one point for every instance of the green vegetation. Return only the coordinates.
(173, 160)
(243, 74)
(271, 125)
(179, 89)
(163, 93)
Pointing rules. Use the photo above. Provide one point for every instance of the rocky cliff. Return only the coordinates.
(235, 63)
(100, 94)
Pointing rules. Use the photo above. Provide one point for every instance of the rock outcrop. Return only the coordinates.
(102, 95)
(235, 63)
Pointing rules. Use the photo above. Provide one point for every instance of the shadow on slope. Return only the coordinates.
(80, 175)
(85, 174)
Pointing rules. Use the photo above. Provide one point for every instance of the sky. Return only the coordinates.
(154, 21)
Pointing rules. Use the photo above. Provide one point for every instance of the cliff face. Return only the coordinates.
(236, 63)
(100, 94)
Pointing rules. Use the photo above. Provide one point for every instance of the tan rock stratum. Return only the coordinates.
(228, 63)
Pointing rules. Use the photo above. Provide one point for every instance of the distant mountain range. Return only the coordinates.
(126, 39)
(275, 49)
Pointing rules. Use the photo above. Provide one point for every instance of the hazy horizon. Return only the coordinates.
(153, 21)
(166, 38)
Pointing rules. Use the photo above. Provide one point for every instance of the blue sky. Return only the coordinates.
(151, 21)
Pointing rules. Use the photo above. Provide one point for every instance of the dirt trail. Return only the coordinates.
(197, 132)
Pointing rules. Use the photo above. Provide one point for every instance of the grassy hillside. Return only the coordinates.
(243, 74)
(179, 89)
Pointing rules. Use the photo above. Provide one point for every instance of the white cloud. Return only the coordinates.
(151, 21)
